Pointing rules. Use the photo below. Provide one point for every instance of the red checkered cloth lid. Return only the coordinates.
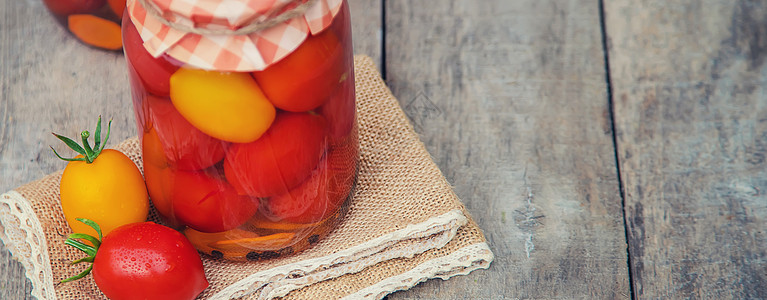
(229, 35)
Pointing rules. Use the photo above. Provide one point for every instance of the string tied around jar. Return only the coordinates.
(252, 27)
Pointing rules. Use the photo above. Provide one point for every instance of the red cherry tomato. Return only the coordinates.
(208, 204)
(185, 147)
(68, 7)
(281, 159)
(153, 72)
(148, 261)
(319, 196)
(305, 78)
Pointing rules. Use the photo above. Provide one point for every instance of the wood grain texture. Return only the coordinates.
(688, 80)
(367, 28)
(51, 82)
(510, 99)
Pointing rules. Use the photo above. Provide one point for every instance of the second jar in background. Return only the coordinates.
(93, 22)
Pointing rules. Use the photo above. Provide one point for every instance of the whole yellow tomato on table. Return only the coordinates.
(102, 185)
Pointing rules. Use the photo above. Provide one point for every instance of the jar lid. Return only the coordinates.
(229, 35)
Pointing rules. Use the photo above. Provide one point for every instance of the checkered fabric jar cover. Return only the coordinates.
(173, 27)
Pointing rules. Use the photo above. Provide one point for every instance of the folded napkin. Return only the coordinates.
(405, 225)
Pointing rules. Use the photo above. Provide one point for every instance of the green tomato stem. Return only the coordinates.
(78, 276)
(93, 225)
(109, 130)
(96, 243)
(84, 259)
(80, 246)
(71, 144)
(90, 250)
(89, 154)
(97, 137)
(66, 159)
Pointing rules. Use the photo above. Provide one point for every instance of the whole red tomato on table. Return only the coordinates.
(141, 261)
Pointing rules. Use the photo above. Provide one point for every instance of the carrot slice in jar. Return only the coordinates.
(239, 241)
(285, 226)
(96, 31)
(272, 241)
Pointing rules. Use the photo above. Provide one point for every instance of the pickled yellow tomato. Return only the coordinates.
(228, 106)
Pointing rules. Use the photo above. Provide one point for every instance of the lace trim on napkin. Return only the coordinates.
(435, 232)
(22, 233)
(461, 262)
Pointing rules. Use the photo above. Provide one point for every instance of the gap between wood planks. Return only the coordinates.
(383, 40)
(611, 108)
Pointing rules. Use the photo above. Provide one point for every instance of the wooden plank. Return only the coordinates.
(688, 79)
(510, 99)
(366, 28)
(14, 284)
(50, 82)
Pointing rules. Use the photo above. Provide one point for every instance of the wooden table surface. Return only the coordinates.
(608, 150)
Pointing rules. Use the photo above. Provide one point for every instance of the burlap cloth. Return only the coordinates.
(405, 225)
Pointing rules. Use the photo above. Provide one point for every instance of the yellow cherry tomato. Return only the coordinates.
(228, 106)
(109, 191)
(102, 185)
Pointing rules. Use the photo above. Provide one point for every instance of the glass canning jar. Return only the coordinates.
(93, 22)
(249, 164)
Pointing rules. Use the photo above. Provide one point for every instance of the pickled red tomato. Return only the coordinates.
(340, 110)
(319, 196)
(151, 149)
(155, 169)
(226, 105)
(67, 7)
(159, 181)
(208, 204)
(157, 174)
(304, 79)
(117, 6)
(281, 159)
(306, 203)
(154, 73)
(186, 147)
